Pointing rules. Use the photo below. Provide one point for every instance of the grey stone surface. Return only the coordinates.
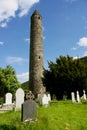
(36, 54)
(29, 111)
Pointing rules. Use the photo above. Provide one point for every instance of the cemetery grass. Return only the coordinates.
(59, 115)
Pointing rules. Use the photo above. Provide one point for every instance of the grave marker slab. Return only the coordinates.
(49, 97)
(78, 97)
(84, 95)
(45, 100)
(19, 98)
(73, 97)
(29, 110)
(8, 98)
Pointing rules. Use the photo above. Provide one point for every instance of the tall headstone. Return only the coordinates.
(49, 97)
(8, 98)
(78, 97)
(19, 98)
(84, 95)
(36, 54)
(73, 97)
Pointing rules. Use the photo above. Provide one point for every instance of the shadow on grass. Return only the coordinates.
(7, 127)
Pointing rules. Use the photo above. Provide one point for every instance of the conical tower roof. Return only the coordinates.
(36, 13)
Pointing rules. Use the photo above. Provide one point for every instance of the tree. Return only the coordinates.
(25, 86)
(2, 85)
(65, 76)
(8, 80)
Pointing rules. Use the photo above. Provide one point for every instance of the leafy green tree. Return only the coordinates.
(65, 76)
(25, 86)
(8, 80)
(3, 89)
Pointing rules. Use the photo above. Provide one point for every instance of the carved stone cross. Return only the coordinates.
(30, 95)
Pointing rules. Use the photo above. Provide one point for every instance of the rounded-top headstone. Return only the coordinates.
(8, 98)
(19, 97)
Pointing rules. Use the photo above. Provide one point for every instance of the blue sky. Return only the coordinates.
(64, 31)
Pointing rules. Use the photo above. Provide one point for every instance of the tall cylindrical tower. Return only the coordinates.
(36, 53)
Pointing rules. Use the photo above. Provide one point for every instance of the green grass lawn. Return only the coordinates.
(61, 115)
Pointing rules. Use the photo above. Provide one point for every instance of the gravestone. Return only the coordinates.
(19, 98)
(78, 97)
(84, 95)
(49, 97)
(73, 97)
(45, 100)
(29, 110)
(8, 98)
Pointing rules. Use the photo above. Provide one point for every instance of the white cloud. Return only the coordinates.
(10, 8)
(11, 60)
(23, 77)
(1, 43)
(82, 41)
(7, 9)
(25, 5)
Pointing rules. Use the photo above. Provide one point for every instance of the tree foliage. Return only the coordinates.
(65, 76)
(8, 80)
(25, 86)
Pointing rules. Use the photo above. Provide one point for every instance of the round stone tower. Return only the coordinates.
(36, 54)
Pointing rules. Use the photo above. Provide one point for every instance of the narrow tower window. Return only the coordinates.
(39, 17)
(39, 57)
